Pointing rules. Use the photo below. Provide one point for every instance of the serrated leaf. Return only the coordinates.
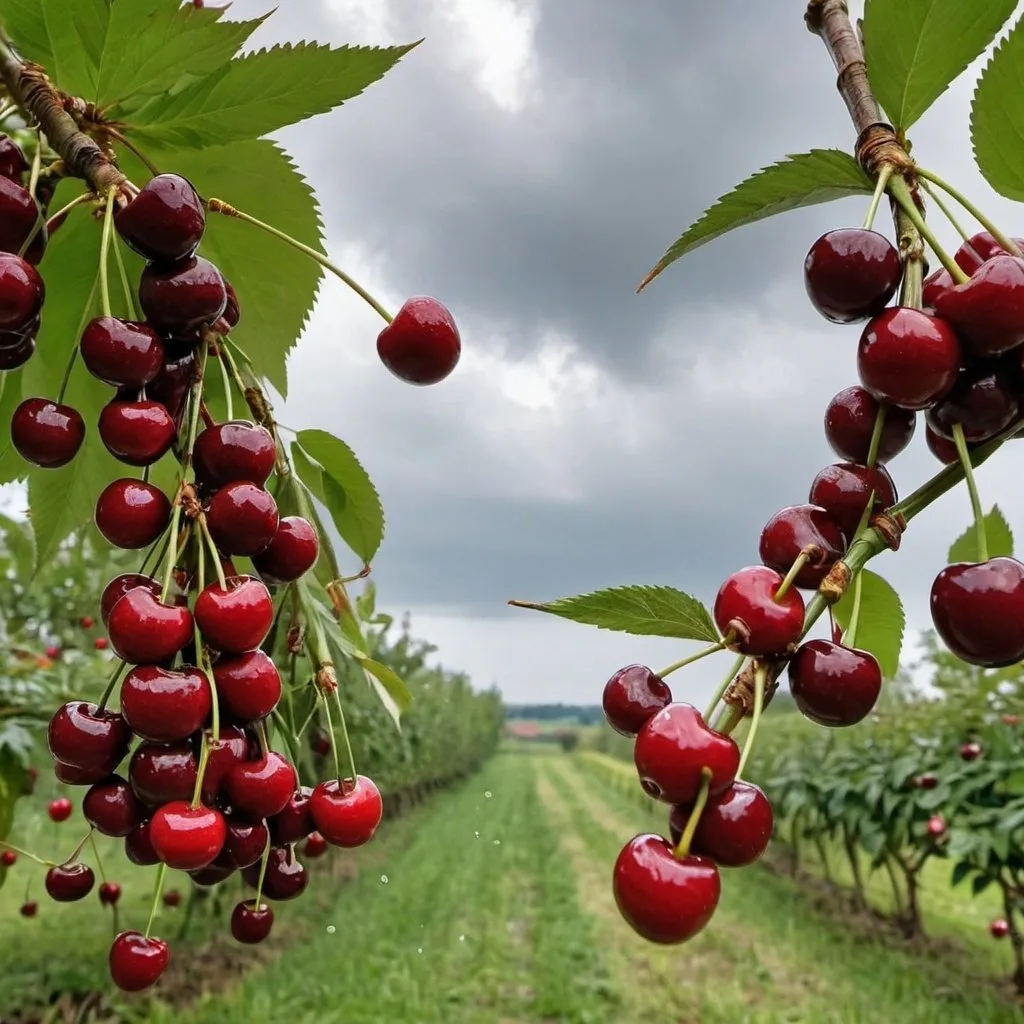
(12, 785)
(998, 537)
(12, 466)
(641, 610)
(803, 179)
(388, 684)
(262, 92)
(19, 542)
(352, 501)
(881, 621)
(915, 50)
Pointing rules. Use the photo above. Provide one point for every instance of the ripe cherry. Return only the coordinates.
(245, 842)
(631, 696)
(69, 775)
(83, 736)
(162, 773)
(237, 619)
(291, 553)
(315, 846)
(119, 586)
(843, 488)
(171, 385)
(850, 423)
(747, 613)
(999, 928)
(286, 878)
(213, 874)
(943, 449)
(164, 705)
(110, 893)
(8, 858)
(251, 923)
(248, 685)
(132, 513)
(122, 353)
(136, 962)
(21, 289)
(242, 518)
(230, 748)
(143, 630)
(67, 883)
(29, 908)
(172, 898)
(795, 528)
(236, 450)
(936, 826)
(851, 273)
(926, 780)
(100, 643)
(294, 821)
(45, 433)
(346, 814)
(182, 297)
(136, 432)
(422, 344)
(260, 789)
(112, 807)
(18, 352)
(165, 221)
(984, 401)
(138, 848)
(970, 751)
(988, 310)
(834, 685)
(18, 215)
(934, 285)
(734, 829)
(185, 837)
(12, 160)
(978, 249)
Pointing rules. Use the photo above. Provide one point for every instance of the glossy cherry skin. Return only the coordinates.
(132, 513)
(112, 807)
(45, 433)
(69, 775)
(834, 685)
(943, 449)
(81, 735)
(18, 353)
(142, 630)
(232, 312)
(422, 344)
(843, 488)
(291, 553)
(110, 893)
(978, 611)
(851, 274)
(163, 773)
(180, 297)
(18, 215)
(988, 310)
(136, 432)
(850, 422)
(136, 962)
(236, 450)
(29, 908)
(984, 401)
(934, 285)
(746, 610)
(286, 878)
(237, 619)
(734, 829)
(185, 837)
(670, 752)
(12, 160)
(171, 385)
(231, 747)
(165, 221)
(122, 353)
(119, 586)
(977, 250)
(315, 846)
(795, 528)
(666, 899)
(138, 847)
(999, 928)
(250, 923)
(242, 518)
(294, 821)
(8, 858)
(345, 814)
(261, 789)
(249, 685)
(60, 809)
(631, 696)
(21, 291)
(69, 882)
(245, 842)
(164, 705)
(212, 874)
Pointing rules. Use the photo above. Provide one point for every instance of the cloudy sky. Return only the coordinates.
(527, 164)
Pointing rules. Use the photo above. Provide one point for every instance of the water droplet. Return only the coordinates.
(476, 835)
(331, 929)
(497, 842)
(384, 879)
(487, 795)
(462, 938)
(420, 950)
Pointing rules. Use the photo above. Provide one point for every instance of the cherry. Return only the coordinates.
(21, 291)
(165, 221)
(29, 908)
(294, 821)
(834, 685)
(136, 432)
(943, 449)
(850, 423)
(137, 846)
(230, 748)
(172, 898)
(18, 353)
(232, 313)
(119, 586)
(245, 842)
(934, 285)
(261, 789)
(187, 837)
(53, 652)
(664, 898)
(749, 616)
(163, 773)
(291, 553)
(8, 858)
(112, 807)
(136, 962)
(249, 685)
(100, 643)
(67, 883)
(319, 742)
(285, 879)
(12, 160)
(87, 622)
(212, 874)
(988, 310)
(251, 923)
(984, 401)
(977, 250)
(183, 296)
(232, 451)
(970, 751)
(18, 215)
(237, 619)
(315, 846)
(734, 829)
(170, 387)
(671, 750)
(45, 433)
(843, 488)
(422, 344)
(242, 518)
(936, 826)
(162, 704)
(346, 814)
(631, 696)
(144, 630)
(122, 353)
(132, 513)
(791, 530)
(978, 610)
(83, 736)
(72, 776)
(999, 928)
(110, 893)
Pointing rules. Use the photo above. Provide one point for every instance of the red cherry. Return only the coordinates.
(119, 586)
(122, 353)
(18, 352)
(67, 883)
(988, 310)
(172, 899)
(999, 928)
(345, 814)
(286, 878)
(977, 250)
(670, 752)
(850, 423)
(734, 829)
(251, 923)
(249, 685)
(162, 773)
(162, 704)
(21, 288)
(232, 451)
(970, 751)
(664, 898)
(137, 432)
(315, 846)
(69, 775)
(110, 893)
(59, 809)
(53, 652)
(791, 530)
(230, 748)
(45, 433)
(136, 962)
(138, 848)
(834, 685)
(842, 490)
(422, 344)
(936, 826)
(294, 821)
(943, 449)
(851, 273)
(83, 736)
(112, 808)
(319, 742)
(934, 285)
(631, 696)
(746, 610)
(260, 789)
(170, 387)
(183, 296)
(12, 160)
(984, 401)
(232, 313)
(245, 842)
(186, 837)
(29, 908)
(87, 622)
(237, 619)
(8, 858)
(242, 518)
(132, 513)
(291, 553)
(142, 630)
(100, 643)
(165, 221)
(928, 780)
(213, 874)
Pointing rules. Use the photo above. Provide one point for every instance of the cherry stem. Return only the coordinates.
(883, 180)
(115, 134)
(850, 634)
(108, 231)
(683, 662)
(972, 489)
(37, 163)
(85, 197)
(204, 529)
(219, 206)
(78, 849)
(806, 554)
(760, 679)
(261, 733)
(224, 376)
(900, 191)
(263, 873)
(172, 549)
(724, 685)
(683, 847)
(157, 893)
(125, 286)
(25, 853)
(111, 683)
(332, 737)
(232, 367)
(72, 359)
(99, 859)
(204, 759)
(345, 737)
(1007, 243)
(876, 434)
(943, 206)
(911, 295)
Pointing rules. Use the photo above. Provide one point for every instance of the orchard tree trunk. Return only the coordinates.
(1016, 939)
(897, 896)
(823, 854)
(859, 895)
(794, 844)
(912, 919)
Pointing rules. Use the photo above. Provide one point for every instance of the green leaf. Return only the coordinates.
(12, 466)
(18, 540)
(881, 621)
(998, 536)
(261, 92)
(804, 179)
(643, 611)
(914, 50)
(980, 884)
(960, 872)
(392, 692)
(12, 786)
(346, 490)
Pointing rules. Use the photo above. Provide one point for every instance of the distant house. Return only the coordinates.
(524, 730)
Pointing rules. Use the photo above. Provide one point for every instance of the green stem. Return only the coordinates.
(157, 893)
(125, 286)
(345, 737)
(85, 197)
(944, 208)
(4, 845)
(37, 163)
(263, 873)
(214, 554)
(111, 683)
(972, 489)
(683, 848)
(794, 570)
(850, 636)
(99, 859)
(228, 400)
(900, 191)
(332, 737)
(876, 434)
(737, 667)
(108, 231)
(86, 316)
(683, 662)
(883, 179)
(172, 549)
(204, 758)
(760, 679)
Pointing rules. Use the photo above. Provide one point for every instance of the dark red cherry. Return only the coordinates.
(185, 837)
(164, 705)
(232, 312)
(934, 285)
(978, 610)
(294, 821)
(988, 310)
(976, 250)
(795, 528)
(422, 344)
(346, 814)
(631, 696)
(315, 846)
(843, 488)
(165, 221)
(110, 893)
(969, 751)
(232, 451)
(666, 899)
(12, 160)
(18, 215)
(112, 808)
(999, 928)
(213, 874)
(242, 518)
(8, 858)
(119, 586)
(162, 773)
(183, 296)
(261, 789)
(138, 848)
(984, 401)
(230, 748)
(170, 387)
(850, 423)
(746, 610)
(142, 630)
(286, 878)
(132, 513)
(237, 619)
(69, 775)
(29, 908)
(136, 962)
(45, 433)
(18, 352)
(834, 685)
(122, 353)
(672, 749)
(67, 883)
(83, 736)
(734, 829)
(172, 898)
(251, 923)
(851, 274)
(943, 449)
(245, 841)
(292, 552)
(136, 432)
(60, 809)
(249, 685)
(21, 290)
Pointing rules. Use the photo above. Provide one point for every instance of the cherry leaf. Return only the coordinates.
(998, 537)
(881, 621)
